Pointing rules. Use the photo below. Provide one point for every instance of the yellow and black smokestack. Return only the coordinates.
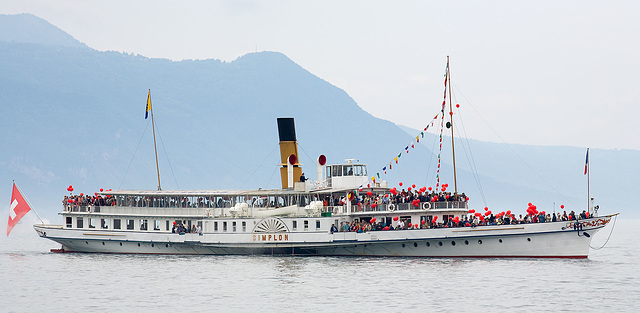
(288, 147)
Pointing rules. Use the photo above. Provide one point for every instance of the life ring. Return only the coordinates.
(208, 212)
(392, 207)
(426, 206)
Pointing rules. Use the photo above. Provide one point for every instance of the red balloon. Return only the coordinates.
(457, 105)
(435, 217)
(447, 197)
(81, 194)
(508, 212)
(467, 198)
(101, 190)
(529, 204)
(450, 113)
(423, 221)
(373, 220)
(374, 205)
(395, 218)
(410, 224)
(400, 184)
(562, 206)
(414, 185)
(69, 200)
(429, 188)
(95, 193)
(369, 193)
(409, 189)
(472, 211)
(486, 208)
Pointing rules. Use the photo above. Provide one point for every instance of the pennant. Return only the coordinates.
(422, 133)
(378, 175)
(148, 108)
(417, 139)
(390, 164)
(406, 148)
(412, 147)
(19, 208)
(384, 168)
(396, 159)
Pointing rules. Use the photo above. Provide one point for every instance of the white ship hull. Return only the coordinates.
(537, 240)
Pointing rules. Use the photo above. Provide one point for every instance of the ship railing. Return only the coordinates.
(342, 209)
(81, 208)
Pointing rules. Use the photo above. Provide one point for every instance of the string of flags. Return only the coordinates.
(440, 115)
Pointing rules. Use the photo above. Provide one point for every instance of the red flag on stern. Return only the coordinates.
(19, 208)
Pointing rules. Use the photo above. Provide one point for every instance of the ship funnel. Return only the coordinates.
(290, 169)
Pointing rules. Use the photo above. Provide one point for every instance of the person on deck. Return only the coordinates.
(302, 178)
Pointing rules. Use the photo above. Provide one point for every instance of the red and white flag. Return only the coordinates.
(19, 208)
(586, 163)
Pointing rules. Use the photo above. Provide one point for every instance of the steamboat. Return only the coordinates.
(343, 212)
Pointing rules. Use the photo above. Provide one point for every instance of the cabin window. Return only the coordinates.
(92, 223)
(295, 225)
(337, 170)
(244, 227)
(143, 225)
(116, 224)
(347, 170)
(234, 226)
(306, 225)
(104, 223)
(358, 170)
(156, 225)
(167, 226)
(130, 224)
(224, 227)
(79, 222)
(328, 171)
(69, 220)
(317, 224)
(215, 226)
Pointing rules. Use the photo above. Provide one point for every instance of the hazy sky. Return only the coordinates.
(530, 72)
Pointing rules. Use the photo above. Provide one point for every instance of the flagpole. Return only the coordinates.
(588, 185)
(29, 203)
(155, 147)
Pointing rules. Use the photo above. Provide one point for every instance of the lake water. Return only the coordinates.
(33, 279)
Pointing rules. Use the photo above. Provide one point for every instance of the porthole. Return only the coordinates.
(440, 243)
(103, 243)
(152, 245)
(428, 244)
(138, 244)
(466, 242)
(453, 243)
(415, 244)
(500, 240)
(86, 242)
(528, 239)
(121, 244)
(480, 241)
(167, 245)
(403, 245)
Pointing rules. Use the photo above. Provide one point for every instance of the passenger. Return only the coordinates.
(334, 229)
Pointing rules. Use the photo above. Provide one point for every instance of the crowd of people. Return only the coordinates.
(414, 197)
(366, 225)
(72, 202)
(180, 228)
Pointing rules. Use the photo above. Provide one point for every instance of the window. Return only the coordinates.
(129, 224)
(156, 225)
(104, 223)
(358, 170)
(215, 226)
(328, 171)
(337, 170)
(224, 227)
(69, 220)
(295, 225)
(143, 225)
(234, 227)
(306, 225)
(92, 223)
(347, 170)
(244, 227)
(79, 222)
(317, 224)
(167, 227)
(116, 224)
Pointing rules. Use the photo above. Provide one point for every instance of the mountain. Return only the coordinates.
(74, 115)
(27, 28)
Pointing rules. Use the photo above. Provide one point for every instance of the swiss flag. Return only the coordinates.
(19, 208)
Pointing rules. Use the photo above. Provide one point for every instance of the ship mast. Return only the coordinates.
(453, 150)
(155, 147)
